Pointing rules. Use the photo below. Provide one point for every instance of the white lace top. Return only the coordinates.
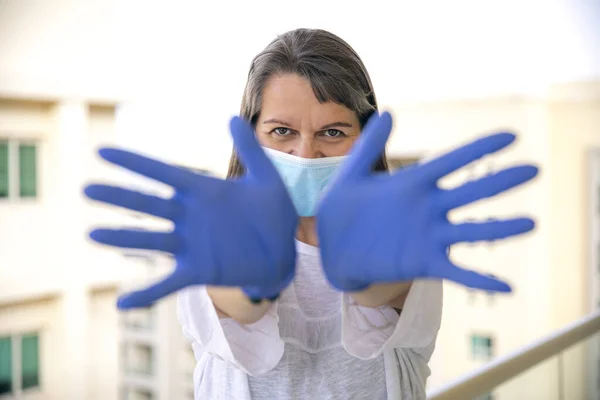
(314, 342)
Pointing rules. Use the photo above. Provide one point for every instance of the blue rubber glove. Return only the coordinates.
(376, 228)
(226, 232)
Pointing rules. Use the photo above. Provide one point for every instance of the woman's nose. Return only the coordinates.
(307, 148)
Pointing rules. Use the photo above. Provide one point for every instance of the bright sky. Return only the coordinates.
(193, 58)
(187, 61)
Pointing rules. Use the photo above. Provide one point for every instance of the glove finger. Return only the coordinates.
(487, 186)
(168, 174)
(369, 146)
(146, 297)
(437, 168)
(248, 149)
(137, 239)
(447, 270)
(133, 200)
(484, 231)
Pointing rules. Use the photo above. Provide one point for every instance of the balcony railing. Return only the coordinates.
(564, 365)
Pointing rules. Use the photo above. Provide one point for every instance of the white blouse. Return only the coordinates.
(314, 342)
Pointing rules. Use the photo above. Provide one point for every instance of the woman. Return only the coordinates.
(276, 306)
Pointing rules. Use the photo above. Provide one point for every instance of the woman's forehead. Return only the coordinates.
(290, 98)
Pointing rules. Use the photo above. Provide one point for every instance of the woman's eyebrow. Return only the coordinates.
(337, 124)
(328, 126)
(276, 121)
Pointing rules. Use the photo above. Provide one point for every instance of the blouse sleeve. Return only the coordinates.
(367, 332)
(254, 348)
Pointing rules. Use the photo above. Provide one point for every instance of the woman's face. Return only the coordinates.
(293, 121)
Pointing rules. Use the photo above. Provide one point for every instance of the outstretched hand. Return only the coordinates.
(226, 232)
(376, 228)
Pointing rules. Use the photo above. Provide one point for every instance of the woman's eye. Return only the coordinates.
(334, 133)
(282, 131)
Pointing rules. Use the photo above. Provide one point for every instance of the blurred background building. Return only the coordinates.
(165, 79)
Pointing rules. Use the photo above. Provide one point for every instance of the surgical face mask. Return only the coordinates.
(305, 178)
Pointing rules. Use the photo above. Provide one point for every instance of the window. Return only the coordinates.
(30, 357)
(5, 365)
(138, 358)
(19, 363)
(18, 169)
(27, 170)
(481, 347)
(137, 394)
(3, 169)
(491, 295)
(395, 163)
(472, 296)
(139, 319)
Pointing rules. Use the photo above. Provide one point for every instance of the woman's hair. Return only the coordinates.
(334, 70)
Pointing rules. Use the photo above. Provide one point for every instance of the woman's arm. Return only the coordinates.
(391, 294)
(231, 302)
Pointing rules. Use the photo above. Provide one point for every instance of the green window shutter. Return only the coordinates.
(30, 361)
(3, 170)
(5, 365)
(27, 170)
